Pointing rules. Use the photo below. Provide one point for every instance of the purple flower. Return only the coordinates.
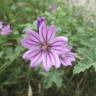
(67, 58)
(44, 47)
(5, 29)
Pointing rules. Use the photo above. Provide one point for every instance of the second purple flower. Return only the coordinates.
(5, 30)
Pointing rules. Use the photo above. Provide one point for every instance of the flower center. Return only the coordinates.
(45, 46)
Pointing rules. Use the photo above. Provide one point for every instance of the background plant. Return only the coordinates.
(75, 22)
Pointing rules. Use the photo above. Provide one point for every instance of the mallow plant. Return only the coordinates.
(45, 48)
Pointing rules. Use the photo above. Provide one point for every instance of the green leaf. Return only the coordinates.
(81, 67)
(54, 77)
(89, 60)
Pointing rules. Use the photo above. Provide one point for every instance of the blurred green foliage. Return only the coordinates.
(72, 21)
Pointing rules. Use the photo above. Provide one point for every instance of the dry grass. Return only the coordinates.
(88, 4)
(89, 8)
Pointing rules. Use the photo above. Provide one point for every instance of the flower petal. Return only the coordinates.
(51, 33)
(55, 59)
(60, 44)
(67, 58)
(30, 54)
(28, 43)
(66, 62)
(32, 35)
(35, 56)
(47, 34)
(36, 61)
(31, 41)
(39, 22)
(59, 41)
(43, 31)
(60, 49)
(47, 61)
